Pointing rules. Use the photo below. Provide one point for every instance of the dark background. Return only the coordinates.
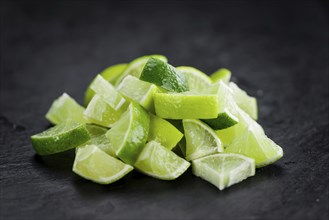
(276, 51)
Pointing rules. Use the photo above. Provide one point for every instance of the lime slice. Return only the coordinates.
(221, 74)
(164, 75)
(100, 113)
(186, 106)
(109, 94)
(64, 136)
(157, 161)
(93, 164)
(136, 66)
(224, 170)
(111, 74)
(197, 80)
(201, 140)
(163, 132)
(129, 133)
(244, 101)
(64, 108)
(139, 91)
(227, 108)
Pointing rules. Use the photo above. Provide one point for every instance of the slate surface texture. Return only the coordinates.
(277, 52)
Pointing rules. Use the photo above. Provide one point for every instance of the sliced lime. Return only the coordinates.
(129, 133)
(197, 80)
(227, 108)
(201, 140)
(164, 75)
(95, 130)
(109, 94)
(186, 106)
(64, 136)
(111, 74)
(101, 113)
(94, 164)
(244, 101)
(159, 162)
(221, 74)
(163, 132)
(139, 91)
(136, 66)
(223, 170)
(63, 108)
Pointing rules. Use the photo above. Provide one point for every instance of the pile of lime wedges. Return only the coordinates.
(159, 120)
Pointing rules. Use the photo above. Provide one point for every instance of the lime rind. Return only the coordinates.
(136, 66)
(64, 136)
(63, 108)
(159, 162)
(129, 134)
(201, 140)
(93, 164)
(186, 106)
(164, 75)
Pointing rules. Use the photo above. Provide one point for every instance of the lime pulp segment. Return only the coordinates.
(198, 81)
(139, 91)
(63, 108)
(110, 95)
(101, 113)
(223, 170)
(93, 164)
(163, 132)
(64, 136)
(201, 140)
(110, 74)
(221, 74)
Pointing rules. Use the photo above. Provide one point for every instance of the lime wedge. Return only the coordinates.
(129, 134)
(223, 170)
(157, 161)
(227, 108)
(100, 113)
(93, 164)
(136, 66)
(164, 75)
(201, 140)
(245, 102)
(163, 132)
(221, 74)
(64, 108)
(99, 139)
(109, 94)
(64, 136)
(139, 91)
(186, 106)
(228, 135)
(197, 80)
(111, 74)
